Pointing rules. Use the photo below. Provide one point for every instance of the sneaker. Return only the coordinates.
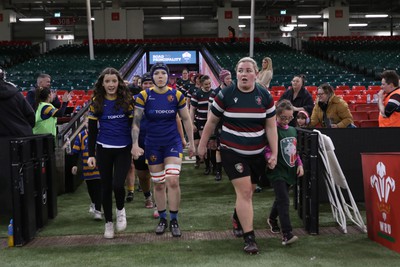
(218, 177)
(161, 227)
(155, 213)
(121, 220)
(197, 164)
(148, 203)
(288, 239)
(97, 215)
(92, 208)
(109, 230)
(258, 189)
(129, 197)
(174, 228)
(274, 227)
(250, 245)
(237, 228)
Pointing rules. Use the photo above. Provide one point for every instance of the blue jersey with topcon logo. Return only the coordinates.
(114, 127)
(160, 111)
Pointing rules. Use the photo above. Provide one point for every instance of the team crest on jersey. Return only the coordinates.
(239, 167)
(153, 158)
(170, 98)
(258, 100)
(289, 150)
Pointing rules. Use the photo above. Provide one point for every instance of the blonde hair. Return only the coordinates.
(247, 59)
(269, 60)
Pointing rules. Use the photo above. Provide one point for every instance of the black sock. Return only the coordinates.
(147, 194)
(249, 235)
(213, 159)
(219, 167)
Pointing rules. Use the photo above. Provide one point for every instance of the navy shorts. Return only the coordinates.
(155, 154)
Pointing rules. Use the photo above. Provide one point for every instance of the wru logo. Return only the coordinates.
(382, 185)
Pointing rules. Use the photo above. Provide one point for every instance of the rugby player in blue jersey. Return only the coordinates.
(248, 114)
(163, 144)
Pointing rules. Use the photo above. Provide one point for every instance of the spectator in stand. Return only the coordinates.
(163, 143)
(300, 98)
(330, 110)
(389, 100)
(17, 116)
(225, 78)
(265, 75)
(110, 119)
(46, 114)
(43, 81)
(248, 114)
(302, 119)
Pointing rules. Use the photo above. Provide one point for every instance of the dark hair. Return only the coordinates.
(328, 90)
(41, 95)
(302, 77)
(282, 105)
(204, 78)
(124, 98)
(391, 76)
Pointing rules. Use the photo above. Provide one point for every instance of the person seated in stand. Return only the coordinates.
(389, 100)
(330, 110)
(302, 119)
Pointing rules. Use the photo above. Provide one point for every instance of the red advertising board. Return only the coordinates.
(228, 14)
(280, 19)
(381, 175)
(62, 21)
(338, 13)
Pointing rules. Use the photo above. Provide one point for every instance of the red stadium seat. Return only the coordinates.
(342, 87)
(358, 87)
(278, 88)
(366, 107)
(311, 88)
(369, 123)
(373, 114)
(374, 87)
(360, 115)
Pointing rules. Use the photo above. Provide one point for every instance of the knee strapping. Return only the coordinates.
(172, 170)
(158, 177)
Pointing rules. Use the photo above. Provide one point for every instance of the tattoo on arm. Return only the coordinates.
(136, 124)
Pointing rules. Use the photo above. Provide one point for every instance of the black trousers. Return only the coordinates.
(94, 190)
(113, 164)
(281, 205)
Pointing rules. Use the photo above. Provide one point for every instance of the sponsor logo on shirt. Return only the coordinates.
(112, 117)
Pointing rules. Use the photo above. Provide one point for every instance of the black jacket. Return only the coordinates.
(30, 97)
(17, 117)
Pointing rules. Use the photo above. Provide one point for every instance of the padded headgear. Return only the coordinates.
(146, 77)
(223, 74)
(156, 66)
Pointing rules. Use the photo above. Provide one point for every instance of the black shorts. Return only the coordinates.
(238, 166)
(196, 135)
(140, 163)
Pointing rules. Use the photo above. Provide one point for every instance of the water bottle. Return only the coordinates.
(68, 149)
(10, 234)
(368, 98)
